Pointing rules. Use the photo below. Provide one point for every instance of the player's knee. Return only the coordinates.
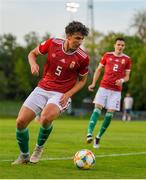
(109, 114)
(46, 119)
(98, 106)
(20, 123)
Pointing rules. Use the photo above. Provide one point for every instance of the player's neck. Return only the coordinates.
(118, 53)
(66, 47)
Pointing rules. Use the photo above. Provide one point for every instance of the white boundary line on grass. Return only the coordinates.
(97, 156)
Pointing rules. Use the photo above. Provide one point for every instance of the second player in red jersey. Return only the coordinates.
(117, 67)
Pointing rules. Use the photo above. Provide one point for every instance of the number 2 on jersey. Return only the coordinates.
(115, 68)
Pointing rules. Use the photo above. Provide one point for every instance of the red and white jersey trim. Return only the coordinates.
(58, 41)
(82, 53)
(83, 74)
(125, 55)
(110, 52)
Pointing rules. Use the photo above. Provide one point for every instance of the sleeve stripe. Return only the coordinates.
(58, 41)
(82, 53)
(83, 74)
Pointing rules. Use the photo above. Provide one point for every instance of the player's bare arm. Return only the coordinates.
(79, 84)
(95, 78)
(32, 61)
(119, 82)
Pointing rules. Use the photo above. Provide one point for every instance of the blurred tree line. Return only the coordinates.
(16, 80)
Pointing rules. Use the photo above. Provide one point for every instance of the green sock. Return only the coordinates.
(105, 124)
(93, 120)
(43, 135)
(22, 137)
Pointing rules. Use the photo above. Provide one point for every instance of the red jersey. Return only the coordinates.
(61, 69)
(114, 69)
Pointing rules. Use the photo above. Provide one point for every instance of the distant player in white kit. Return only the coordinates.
(127, 107)
(116, 71)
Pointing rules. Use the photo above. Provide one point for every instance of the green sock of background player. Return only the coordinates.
(105, 124)
(93, 120)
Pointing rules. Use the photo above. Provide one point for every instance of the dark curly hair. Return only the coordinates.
(76, 26)
(119, 39)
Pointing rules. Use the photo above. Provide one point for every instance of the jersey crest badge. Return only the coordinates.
(72, 65)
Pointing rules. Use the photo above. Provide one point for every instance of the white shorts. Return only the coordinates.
(39, 98)
(108, 99)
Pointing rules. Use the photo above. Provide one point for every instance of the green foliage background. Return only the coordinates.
(16, 80)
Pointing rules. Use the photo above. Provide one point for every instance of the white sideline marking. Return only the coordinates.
(97, 156)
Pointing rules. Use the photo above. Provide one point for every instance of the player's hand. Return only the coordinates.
(118, 82)
(63, 100)
(91, 87)
(35, 69)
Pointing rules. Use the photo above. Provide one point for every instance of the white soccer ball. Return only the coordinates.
(84, 159)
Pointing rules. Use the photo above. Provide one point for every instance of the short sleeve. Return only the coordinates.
(128, 65)
(84, 67)
(44, 46)
(103, 60)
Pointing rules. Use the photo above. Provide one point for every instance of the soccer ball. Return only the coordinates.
(84, 159)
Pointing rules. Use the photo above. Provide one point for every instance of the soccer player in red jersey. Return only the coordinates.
(65, 73)
(116, 71)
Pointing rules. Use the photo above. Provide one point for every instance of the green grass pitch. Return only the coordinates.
(122, 153)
